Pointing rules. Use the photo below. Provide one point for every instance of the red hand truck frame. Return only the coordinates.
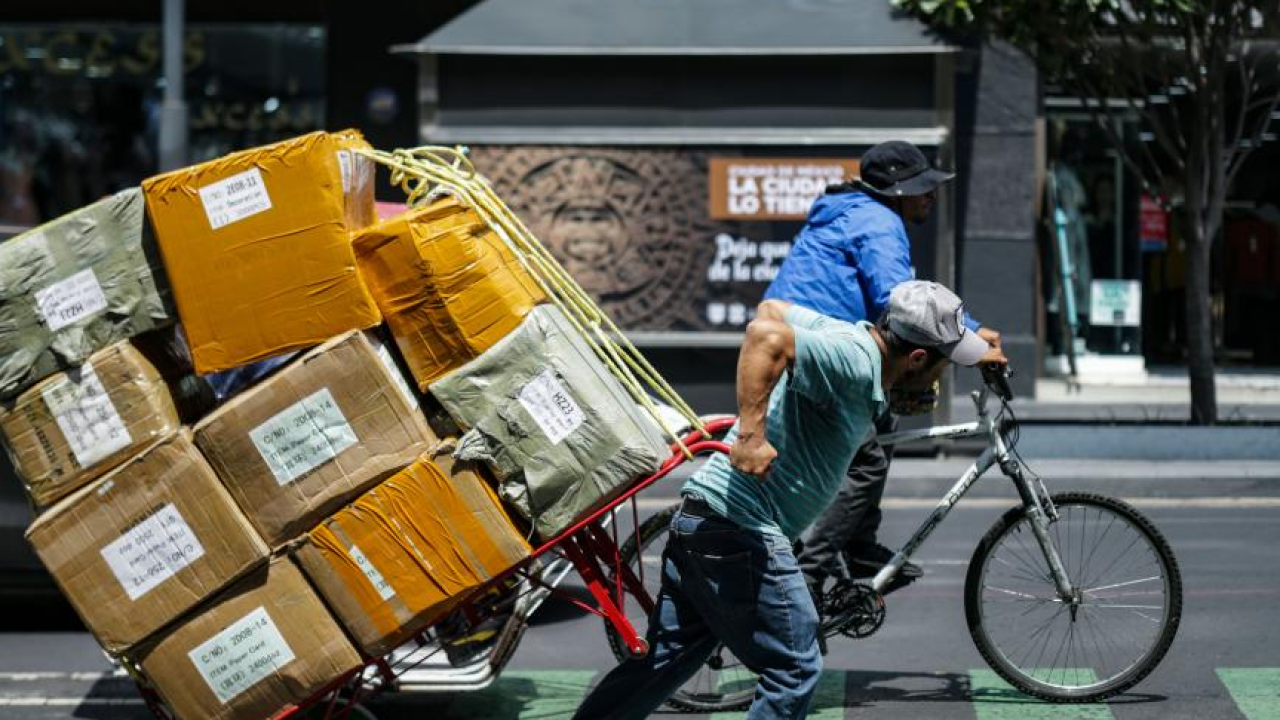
(587, 544)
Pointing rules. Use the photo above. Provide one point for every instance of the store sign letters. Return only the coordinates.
(772, 188)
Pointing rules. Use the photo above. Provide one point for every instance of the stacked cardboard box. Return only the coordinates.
(262, 645)
(258, 249)
(317, 433)
(74, 426)
(447, 284)
(145, 543)
(407, 550)
(162, 538)
(73, 286)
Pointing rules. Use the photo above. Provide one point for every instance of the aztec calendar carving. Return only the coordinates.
(629, 225)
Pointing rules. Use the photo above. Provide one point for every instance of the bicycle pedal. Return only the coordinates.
(854, 610)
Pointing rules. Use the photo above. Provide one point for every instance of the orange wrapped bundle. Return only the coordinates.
(447, 285)
(407, 550)
(257, 246)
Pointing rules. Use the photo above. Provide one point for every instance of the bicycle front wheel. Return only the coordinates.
(1127, 611)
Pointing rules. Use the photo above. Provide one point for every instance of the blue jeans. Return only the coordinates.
(721, 583)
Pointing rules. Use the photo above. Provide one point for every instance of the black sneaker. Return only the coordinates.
(867, 560)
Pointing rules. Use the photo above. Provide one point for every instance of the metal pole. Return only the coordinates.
(173, 110)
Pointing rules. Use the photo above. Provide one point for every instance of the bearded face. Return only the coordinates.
(921, 379)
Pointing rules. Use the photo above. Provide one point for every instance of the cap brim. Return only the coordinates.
(924, 183)
(968, 350)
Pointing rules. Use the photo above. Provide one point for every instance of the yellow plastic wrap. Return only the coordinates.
(447, 285)
(257, 246)
(406, 551)
(74, 426)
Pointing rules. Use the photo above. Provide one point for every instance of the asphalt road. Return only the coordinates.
(1224, 664)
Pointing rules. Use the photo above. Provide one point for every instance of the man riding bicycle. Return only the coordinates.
(852, 251)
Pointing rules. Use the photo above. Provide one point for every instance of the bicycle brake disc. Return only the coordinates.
(854, 610)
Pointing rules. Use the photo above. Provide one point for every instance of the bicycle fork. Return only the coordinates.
(1041, 513)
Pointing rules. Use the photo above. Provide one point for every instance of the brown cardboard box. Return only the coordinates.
(447, 285)
(75, 426)
(258, 251)
(319, 432)
(262, 646)
(145, 543)
(406, 551)
(357, 179)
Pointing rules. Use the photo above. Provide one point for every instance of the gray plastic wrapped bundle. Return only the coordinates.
(73, 286)
(561, 433)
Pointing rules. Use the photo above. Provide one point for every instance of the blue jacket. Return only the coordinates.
(851, 252)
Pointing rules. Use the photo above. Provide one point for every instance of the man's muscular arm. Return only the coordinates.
(768, 349)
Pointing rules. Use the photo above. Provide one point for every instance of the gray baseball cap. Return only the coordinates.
(929, 315)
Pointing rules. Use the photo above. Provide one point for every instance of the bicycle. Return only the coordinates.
(1049, 595)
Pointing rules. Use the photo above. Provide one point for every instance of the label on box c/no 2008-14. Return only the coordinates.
(247, 651)
(303, 436)
(71, 300)
(235, 198)
(152, 551)
(86, 416)
(551, 406)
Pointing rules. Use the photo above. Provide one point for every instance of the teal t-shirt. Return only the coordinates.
(819, 414)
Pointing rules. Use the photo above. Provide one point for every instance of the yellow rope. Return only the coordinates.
(422, 170)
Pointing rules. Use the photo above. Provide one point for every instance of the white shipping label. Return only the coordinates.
(303, 436)
(344, 166)
(551, 406)
(385, 591)
(235, 198)
(247, 651)
(86, 417)
(152, 551)
(396, 376)
(71, 300)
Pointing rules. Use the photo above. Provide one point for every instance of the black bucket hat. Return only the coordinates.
(896, 169)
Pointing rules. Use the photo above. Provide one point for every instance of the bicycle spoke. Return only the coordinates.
(1123, 584)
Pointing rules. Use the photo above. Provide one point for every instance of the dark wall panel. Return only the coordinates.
(691, 91)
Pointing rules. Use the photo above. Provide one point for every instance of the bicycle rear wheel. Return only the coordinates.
(723, 683)
(1128, 612)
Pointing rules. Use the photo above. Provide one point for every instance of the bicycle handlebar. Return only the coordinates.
(997, 378)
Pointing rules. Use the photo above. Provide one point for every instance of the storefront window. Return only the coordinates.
(1093, 269)
(79, 104)
(1118, 258)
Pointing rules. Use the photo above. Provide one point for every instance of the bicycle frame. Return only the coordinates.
(1037, 504)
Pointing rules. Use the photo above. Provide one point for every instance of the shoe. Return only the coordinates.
(867, 560)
